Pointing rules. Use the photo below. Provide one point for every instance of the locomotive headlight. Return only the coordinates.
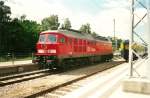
(40, 51)
(52, 51)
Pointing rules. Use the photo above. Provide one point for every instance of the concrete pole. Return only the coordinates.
(148, 39)
(115, 39)
(148, 26)
(131, 38)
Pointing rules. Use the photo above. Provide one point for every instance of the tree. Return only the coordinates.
(66, 24)
(5, 13)
(29, 33)
(23, 17)
(119, 41)
(94, 34)
(18, 34)
(50, 23)
(86, 28)
(22, 35)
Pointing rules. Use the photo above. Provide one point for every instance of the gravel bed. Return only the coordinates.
(25, 88)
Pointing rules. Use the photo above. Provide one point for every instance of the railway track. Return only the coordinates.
(98, 87)
(11, 79)
(62, 89)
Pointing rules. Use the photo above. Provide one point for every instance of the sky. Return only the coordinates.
(99, 13)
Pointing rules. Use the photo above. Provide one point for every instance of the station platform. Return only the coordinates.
(111, 85)
(10, 67)
(119, 93)
(15, 63)
(137, 86)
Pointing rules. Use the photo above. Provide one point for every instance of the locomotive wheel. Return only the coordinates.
(62, 66)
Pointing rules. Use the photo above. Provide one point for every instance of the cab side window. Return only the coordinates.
(62, 40)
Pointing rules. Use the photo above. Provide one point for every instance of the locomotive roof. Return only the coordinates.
(78, 34)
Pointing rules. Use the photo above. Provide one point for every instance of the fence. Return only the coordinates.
(15, 56)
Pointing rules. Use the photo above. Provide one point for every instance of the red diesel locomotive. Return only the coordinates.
(64, 48)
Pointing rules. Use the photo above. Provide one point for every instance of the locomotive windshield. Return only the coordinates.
(47, 37)
(52, 38)
(42, 38)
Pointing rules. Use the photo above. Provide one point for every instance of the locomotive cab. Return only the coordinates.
(46, 49)
(47, 44)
